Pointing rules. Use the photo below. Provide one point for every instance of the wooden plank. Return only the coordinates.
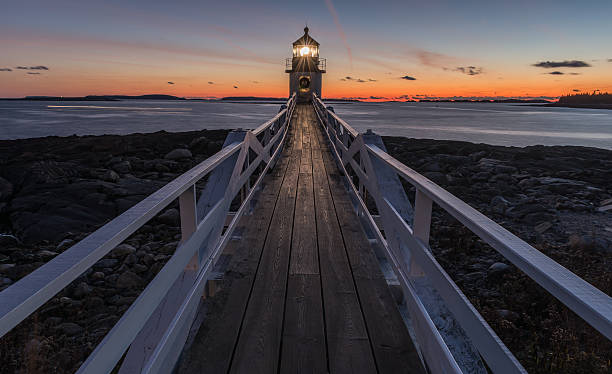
(391, 343)
(303, 346)
(349, 346)
(214, 344)
(303, 349)
(258, 347)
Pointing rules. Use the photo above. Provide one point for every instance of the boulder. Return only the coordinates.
(122, 167)
(170, 217)
(122, 250)
(128, 280)
(110, 176)
(178, 154)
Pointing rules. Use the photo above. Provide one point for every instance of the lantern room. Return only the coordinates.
(305, 68)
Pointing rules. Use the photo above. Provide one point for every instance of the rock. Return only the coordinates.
(505, 169)
(130, 259)
(499, 204)
(46, 255)
(507, 314)
(94, 302)
(540, 228)
(70, 328)
(122, 250)
(65, 300)
(139, 268)
(128, 280)
(54, 321)
(177, 154)
(167, 249)
(122, 167)
(106, 263)
(170, 217)
(6, 189)
(98, 275)
(6, 267)
(161, 168)
(7, 240)
(437, 178)
(433, 166)
(64, 244)
(5, 281)
(498, 268)
(110, 176)
(581, 242)
(81, 290)
(199, 145)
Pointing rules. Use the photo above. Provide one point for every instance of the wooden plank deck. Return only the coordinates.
(304, 293)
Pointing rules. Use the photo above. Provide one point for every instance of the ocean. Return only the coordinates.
(491, 123)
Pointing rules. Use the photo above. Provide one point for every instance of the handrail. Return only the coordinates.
(593, 305)
(25, 296)
(411, 255)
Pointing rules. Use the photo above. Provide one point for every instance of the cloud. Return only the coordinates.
(256, 82)
(469, 70)
(574, 73)
(408, 78)
(376, 97)
(610, 60)
(38, 67)
(211, 82)
(6, 69)
(358, 80)
(432, 59)
(556, 73)
(170, 82)
(29, 72)
(562, 64)
(235, 86)
(576, 90)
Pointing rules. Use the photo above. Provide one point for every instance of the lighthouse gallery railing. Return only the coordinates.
(406, 247)
(24, 297)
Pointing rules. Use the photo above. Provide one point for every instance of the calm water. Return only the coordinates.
(503, 124)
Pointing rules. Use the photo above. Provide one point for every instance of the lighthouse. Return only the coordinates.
(305, 68)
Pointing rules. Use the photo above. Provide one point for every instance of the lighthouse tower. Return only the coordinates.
(305, 68)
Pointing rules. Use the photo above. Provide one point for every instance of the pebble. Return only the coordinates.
(64, 244)
(498, 268)
(70, 328)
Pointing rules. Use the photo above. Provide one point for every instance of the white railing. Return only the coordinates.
(405, 242)
(203, 239)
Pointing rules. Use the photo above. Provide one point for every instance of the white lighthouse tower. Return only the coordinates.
(305, 68)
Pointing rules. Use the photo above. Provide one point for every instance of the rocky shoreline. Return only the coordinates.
(559, 200)
(54, 191)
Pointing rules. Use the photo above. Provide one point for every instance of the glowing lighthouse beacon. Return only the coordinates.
(305, 68)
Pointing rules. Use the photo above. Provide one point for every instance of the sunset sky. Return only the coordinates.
(386, 49)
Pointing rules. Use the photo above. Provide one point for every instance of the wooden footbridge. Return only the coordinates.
(308, 284)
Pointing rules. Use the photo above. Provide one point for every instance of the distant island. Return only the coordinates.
(595, 100)
(256, 99)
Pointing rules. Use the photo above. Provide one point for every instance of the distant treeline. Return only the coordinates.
(586, 99)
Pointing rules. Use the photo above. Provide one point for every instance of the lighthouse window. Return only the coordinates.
(304, 51)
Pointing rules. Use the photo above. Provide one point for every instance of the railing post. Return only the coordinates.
(189, 220)
(422, 216)
(420, 227)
